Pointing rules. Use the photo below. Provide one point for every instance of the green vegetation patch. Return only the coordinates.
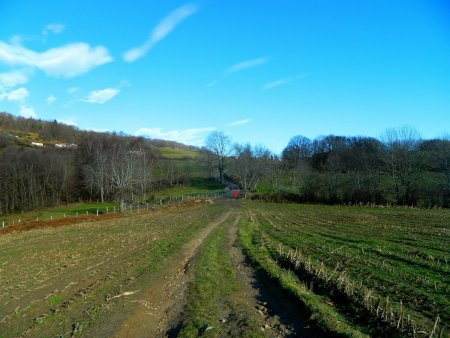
(210, 295)
(391, 261)
(178, 153)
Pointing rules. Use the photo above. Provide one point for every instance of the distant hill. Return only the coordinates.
(45, 163)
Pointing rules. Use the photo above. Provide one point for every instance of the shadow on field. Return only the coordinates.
(289, 311)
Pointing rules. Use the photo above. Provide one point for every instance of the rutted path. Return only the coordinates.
(162, 303)
(277, 316)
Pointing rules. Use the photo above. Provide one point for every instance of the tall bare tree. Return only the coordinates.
(220, 145)
(400, 162)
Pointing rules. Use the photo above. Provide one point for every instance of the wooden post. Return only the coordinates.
(107, 209)
(77, 213)
(3, 224)
(87, 212)
(97, 212)
(114, 209)
(51, 218)
(64, 215)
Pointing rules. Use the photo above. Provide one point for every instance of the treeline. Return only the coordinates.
(102, 167)
(400, 168)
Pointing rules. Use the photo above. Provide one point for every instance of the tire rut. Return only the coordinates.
(161, 304)
(278, 317)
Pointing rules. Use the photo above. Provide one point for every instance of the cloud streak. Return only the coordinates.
(243, 65)
(12, 79)
(50, 99)
(101, 96)
(281, 82)
(68, 61)
(161, 31)
(27, 111)
(55, 28)
(193, 136)
(238, 123)
(17, 95)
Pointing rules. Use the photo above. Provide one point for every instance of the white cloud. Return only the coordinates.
(238, 123)
(55, 28)
(283, 81)
(51, 99)
(17, 95)
(246, 65)
(12, 79)
(69, 121)
(194, 136)
(101, 96)
(72, 90)
(212, 83)
(68, 61)
(27, 111)
(167, 25)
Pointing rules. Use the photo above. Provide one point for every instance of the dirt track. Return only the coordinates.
(163, 301)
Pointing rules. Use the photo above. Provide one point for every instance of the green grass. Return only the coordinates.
(58, 212)
(210, 295)
(197, 185)
(398, 253)
(177, 153)
(321, 314)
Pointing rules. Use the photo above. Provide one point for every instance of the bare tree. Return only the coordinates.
(220, 145)
(400, 164)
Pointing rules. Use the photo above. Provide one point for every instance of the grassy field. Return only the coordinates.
(372, 270)
(64, 281)
(58, 212)
(248, 268)
(177, 153)
(197, 185)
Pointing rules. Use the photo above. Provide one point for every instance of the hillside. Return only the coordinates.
(46, 163)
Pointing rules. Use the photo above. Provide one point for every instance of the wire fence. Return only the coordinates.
(128, 208)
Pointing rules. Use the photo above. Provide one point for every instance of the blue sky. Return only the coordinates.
(262, 71)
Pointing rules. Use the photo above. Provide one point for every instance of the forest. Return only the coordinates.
(399, 168)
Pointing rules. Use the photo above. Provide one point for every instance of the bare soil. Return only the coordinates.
(160, 305)
(278, 317)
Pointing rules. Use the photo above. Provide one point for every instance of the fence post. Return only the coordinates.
(77, 213)
(97, 212)
(107, 209)
(87, 212)
(3, 224)
(51, 218)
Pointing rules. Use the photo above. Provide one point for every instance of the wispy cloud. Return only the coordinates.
(283, 81)
(194, 136)
(55, 28)
(50, 99)
(243, 65)
(72, 90)
(101, 96)
(213, 83)
(27, 111)
(238, 123)
(69, 121)
(12, 79)
(68, 61)
(17, 95)
(167, 25)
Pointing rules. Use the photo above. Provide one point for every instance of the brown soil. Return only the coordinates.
(161, 304)
(30, 225)
(277, 316)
